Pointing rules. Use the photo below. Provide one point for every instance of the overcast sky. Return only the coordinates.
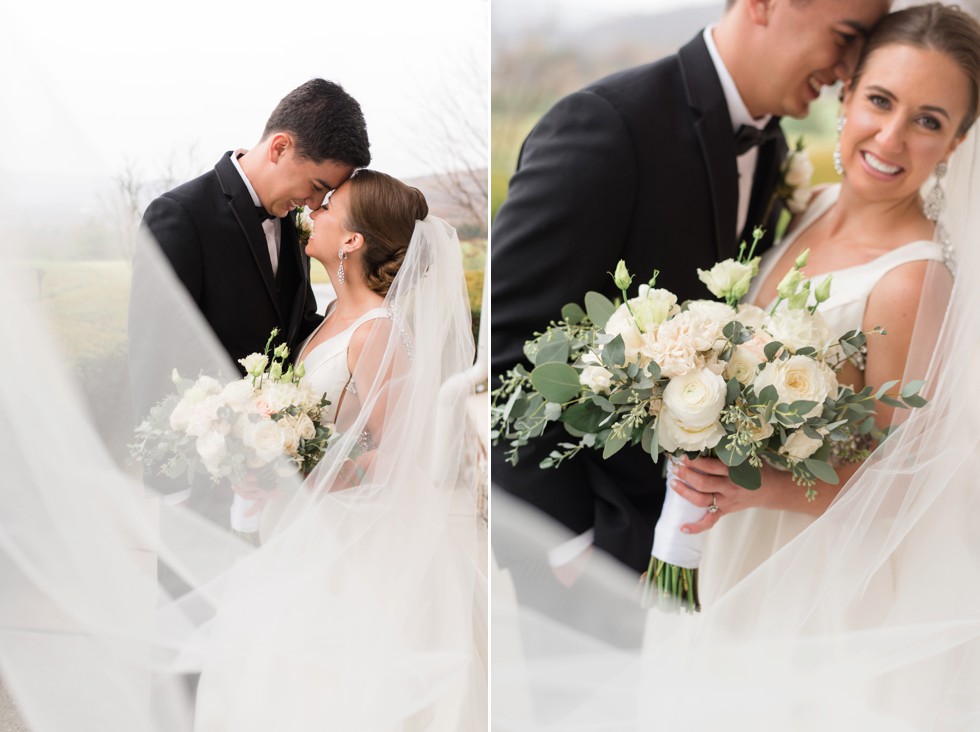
(87, 86)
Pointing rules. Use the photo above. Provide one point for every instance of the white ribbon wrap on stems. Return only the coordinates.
(669, 544)
(239, 521)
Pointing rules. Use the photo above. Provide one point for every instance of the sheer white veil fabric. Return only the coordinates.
(364, 607)
(869, 619)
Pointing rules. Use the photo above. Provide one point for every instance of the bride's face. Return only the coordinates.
(330, 230)
(902, 118)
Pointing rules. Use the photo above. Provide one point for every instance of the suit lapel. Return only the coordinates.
(243, 209)
(713, 126)
(771, 156)
(293, 275)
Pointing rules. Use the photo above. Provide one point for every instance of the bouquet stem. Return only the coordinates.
(670, 587)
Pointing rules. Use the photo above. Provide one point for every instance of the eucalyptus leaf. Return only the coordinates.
(599, 308)
(729, 453)
(884, 388)
(771, 349)
(822, 471)
(572, 314)
(554, 350)
(614, 352)
(914, 400)
(556, 382)
(912, 388)
(745, 475)
(584, 417)
(613, 445)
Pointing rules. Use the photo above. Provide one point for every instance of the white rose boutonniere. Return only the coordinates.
(304, 226)
(793, 186)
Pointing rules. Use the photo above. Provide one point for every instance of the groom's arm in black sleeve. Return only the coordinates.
(561, 231)
(565, 220)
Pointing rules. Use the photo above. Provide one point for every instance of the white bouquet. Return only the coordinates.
(702, 378)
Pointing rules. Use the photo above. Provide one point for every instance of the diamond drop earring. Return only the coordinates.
(932, 207)
(341, 275)
(838, 159)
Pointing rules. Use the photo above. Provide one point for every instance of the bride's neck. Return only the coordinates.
(354, 299)
(878, 220)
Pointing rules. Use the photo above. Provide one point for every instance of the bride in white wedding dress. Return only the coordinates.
(866, 616)
(364, 608)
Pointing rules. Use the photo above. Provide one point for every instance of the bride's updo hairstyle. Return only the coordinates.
(942, 28)
(383, 210)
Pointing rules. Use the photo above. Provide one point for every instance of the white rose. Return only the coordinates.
(282, 394)
(799, 170)
(799, 446)
(743, 365)
(290, 436)
(761, 432)
(679, 345)
(696, 399)
(305, 427)
(673, 434)
(729, 279)
(212, 449)
(797, 202)
(202, 416)
(713, 310)
(799, 378)
(596, 378)
(621, 323)
(238, 394)
(652, 307)
(798, 329)
(265, 440)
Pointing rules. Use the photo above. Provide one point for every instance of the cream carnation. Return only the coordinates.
(713, 310)
(679, 345)
(751, 316)
(799, 378)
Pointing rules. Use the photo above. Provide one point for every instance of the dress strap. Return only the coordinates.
(374, 314)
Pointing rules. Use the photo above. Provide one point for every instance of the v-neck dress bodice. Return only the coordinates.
(327, 370)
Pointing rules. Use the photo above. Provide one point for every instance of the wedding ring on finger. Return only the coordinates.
(713, 508)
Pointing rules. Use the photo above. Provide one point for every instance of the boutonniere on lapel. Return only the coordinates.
(793, 185)
(304, 226)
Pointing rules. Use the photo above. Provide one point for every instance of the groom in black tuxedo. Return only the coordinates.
(667, 166)
(230, 238)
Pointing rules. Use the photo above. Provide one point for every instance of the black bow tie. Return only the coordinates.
(748, 136)
(263, 214)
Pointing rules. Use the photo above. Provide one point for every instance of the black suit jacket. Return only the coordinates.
(210, 233)
(639, 166)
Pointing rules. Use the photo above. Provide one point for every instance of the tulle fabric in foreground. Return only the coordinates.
(365, 606)
(869, 619)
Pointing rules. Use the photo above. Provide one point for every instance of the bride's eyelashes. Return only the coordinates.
(882, 102)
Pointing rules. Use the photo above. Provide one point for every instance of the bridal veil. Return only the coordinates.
(869, 619)
(363, 608)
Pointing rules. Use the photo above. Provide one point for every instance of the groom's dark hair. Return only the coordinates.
(325, 121)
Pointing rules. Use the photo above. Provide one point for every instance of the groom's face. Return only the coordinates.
(296, 181)
(812, 44)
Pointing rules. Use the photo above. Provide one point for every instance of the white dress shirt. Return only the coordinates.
(740, 116)
(271, 227)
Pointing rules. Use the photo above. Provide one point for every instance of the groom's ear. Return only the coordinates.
(759, 11)
(280, 142)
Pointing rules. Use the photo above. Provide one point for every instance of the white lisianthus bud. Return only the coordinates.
(622, 276)
(300, 370)
(798, 300)
(282, 351)
(275, 371)
(822, 292)
(254, 364)
(729, 280)
(789, 284)
(802, 259)
(799, 446)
